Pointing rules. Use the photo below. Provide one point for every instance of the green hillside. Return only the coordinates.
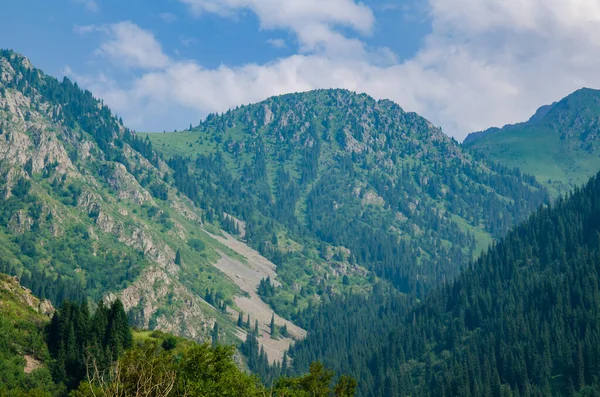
(237, 230)
(559, 145)
(336, 179)
(24, 356)
(88, 210)
(521, 320)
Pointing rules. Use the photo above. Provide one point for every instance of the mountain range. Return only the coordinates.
(318, 226)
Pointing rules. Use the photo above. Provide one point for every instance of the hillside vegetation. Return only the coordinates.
(559, 145)
(89, 210)
(83, 354)
(521, 320)
(328, 184)
(24, 355)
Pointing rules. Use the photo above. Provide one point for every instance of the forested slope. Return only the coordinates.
(82, 352)
(89, 210)
(328, 180)
(522, 320)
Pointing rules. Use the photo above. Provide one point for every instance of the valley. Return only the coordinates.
(322, 226)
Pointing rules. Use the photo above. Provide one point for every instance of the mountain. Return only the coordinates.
(521, 320)
(330, 184)
(560, 144)
(89, 211)
(237, 230)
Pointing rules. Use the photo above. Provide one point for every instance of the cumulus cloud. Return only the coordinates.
(135, 47)
(486, 62)
(313, 21)
(126, 44)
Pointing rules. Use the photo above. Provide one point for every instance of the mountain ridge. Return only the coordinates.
(340, 151)
(88, 210)
(559, 144)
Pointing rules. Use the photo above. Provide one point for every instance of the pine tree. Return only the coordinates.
(178, 257)
(284, 331)
(284, 365)
(273, 327)
(215, 334)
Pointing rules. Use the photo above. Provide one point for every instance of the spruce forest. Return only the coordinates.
(322, 243)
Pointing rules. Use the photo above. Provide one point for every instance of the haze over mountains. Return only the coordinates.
(323, 225)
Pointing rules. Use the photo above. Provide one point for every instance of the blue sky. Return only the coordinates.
(463, 64)
(47, 35)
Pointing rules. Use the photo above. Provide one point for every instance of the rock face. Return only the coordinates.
(16, 291)
(20, 223)
(125, 185)
(86, 177)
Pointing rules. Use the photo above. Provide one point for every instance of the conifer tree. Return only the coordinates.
(273, 327)
(215, 334)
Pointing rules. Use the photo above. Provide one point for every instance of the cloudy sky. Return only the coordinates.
(464, 64)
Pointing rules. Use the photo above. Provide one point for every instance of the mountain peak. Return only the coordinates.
(559, 144)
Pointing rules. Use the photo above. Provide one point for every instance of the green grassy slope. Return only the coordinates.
(24, 355)
(559, 145)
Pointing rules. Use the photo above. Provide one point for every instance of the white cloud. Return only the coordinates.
(486, 62)
(90, 5)
(132, 46)
(313, 21)
(277, 43)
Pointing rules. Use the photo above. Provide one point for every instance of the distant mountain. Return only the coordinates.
(329, 180)
(560, 144)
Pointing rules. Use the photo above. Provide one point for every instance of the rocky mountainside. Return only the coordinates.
(329, 183)
(560, 144)
(88, 210)
(245, 224)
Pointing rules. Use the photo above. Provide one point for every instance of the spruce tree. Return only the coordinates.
(215, 334)
(273, 327)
